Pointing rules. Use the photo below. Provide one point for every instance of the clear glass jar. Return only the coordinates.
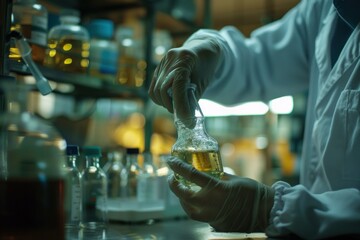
(194, 145)
(74, 178)
(68, 44)
(104, 53)
(94, 191)
(31, 19)
(32, 176)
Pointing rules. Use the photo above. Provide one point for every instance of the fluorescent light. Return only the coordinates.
(282, 105)
(213, 109)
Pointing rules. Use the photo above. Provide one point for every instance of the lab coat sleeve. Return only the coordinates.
(314, 216)
(272, 62)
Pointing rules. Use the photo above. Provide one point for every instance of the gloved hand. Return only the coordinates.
(194, 62)
(232, 204)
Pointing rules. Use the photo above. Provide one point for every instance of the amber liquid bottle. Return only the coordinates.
(194, 145)
(32, 178)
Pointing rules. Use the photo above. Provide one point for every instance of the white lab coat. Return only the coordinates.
(287, 57)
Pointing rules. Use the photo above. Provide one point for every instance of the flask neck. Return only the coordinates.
(92, 161)
(197, 126)
(72, 161)
(132, 159)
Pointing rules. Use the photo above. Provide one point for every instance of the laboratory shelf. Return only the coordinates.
(84, 86)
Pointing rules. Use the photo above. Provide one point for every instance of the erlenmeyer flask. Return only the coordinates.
(194, 145)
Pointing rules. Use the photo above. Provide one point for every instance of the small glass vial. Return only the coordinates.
(31, 19)
(94, 191)
(194, 145)
(74, 179)
(68, 44)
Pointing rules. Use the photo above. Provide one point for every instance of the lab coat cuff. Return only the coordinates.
(272, 230)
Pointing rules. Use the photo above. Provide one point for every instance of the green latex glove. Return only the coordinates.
(230, 204)
(195, 62)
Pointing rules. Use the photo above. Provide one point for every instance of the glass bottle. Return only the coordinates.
(104, 51)
(32, 176)
(193, 144)
(113, 169)
(68, 44)
(74, 178)
(130, 173)
(148, 189)
(94, 191)
(131, 66)
(31, 19)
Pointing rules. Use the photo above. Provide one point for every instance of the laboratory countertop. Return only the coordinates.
(172, 229)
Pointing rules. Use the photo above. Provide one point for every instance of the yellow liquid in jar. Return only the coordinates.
(205, 161)
(70, 55)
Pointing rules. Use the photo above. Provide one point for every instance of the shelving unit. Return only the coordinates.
(85, 86)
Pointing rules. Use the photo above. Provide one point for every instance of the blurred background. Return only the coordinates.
(110, 108)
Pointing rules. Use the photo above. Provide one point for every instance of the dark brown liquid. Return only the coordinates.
(32, 209)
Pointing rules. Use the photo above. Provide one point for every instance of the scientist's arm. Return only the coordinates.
(229, 68)
(236, 204)
(314, 216)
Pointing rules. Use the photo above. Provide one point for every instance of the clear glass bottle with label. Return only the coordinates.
(94, 191)
(31, 19)
(74, 179)
(194, 145)
(32, 176)
(68, 44)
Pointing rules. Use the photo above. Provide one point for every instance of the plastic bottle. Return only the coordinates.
(131, 68)
(32, 176)
(31, 19)
(68, 44)
(194, 145)
(74, 178)
(94, 191)
(104, 51)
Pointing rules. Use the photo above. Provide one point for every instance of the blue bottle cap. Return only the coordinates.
(72, 150)
(94, 151)
(101, 28)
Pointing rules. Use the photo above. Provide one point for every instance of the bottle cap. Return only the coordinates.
(72, 150)
(92, 151)
(132, 151)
